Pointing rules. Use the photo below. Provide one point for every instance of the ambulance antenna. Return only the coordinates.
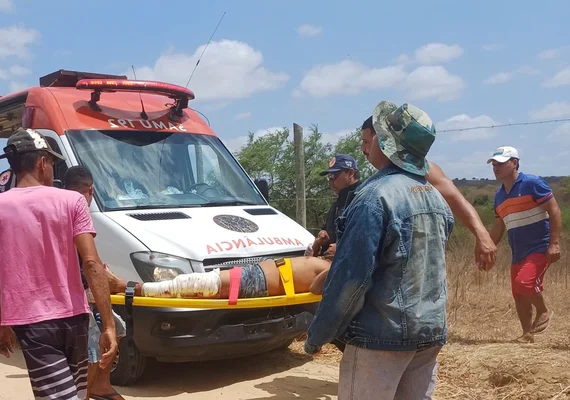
(143, 113)
(203, 51)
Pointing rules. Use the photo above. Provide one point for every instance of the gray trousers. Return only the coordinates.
(387, 375)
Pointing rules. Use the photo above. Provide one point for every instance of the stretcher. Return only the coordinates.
(289, 299)
(129, 300)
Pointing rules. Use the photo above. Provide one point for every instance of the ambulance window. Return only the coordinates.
(205, 164)
(60, 166)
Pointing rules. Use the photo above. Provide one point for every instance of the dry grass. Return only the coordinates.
(479, 361)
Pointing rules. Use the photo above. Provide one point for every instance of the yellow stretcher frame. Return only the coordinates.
(289, 299)
(258, 302)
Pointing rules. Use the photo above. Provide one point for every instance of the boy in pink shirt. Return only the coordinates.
(42, 300)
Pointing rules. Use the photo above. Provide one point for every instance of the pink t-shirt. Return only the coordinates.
(39, 269)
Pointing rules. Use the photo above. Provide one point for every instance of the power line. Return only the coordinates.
(505, 125)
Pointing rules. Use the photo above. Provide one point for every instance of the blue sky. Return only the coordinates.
(326, 62)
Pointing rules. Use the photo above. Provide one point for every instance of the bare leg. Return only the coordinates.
(524, 311)
(102, 384)
(543, 315)
(92, 373)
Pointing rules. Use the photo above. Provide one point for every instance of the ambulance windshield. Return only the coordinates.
(148, 169)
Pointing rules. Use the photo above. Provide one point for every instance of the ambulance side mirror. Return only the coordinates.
(263, 187)
(57, 183)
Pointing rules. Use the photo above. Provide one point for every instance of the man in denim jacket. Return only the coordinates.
(386, 292)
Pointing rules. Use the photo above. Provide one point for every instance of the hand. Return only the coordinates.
(7, 341)
(485, 253)
(313, 350)
(309, 250)
(108, 347)
(321, 241)
(329, 254)
(553, 253)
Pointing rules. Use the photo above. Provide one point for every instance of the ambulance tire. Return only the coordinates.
(125, 371)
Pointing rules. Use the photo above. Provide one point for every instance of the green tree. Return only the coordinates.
(272, 157)
(350, 144)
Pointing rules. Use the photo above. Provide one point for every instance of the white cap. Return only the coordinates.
(503, 154)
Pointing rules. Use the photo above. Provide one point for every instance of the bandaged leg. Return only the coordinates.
(195, 284)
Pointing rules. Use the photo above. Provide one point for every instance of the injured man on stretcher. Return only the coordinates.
(256, 280)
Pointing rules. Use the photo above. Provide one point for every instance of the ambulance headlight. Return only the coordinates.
(154, 267)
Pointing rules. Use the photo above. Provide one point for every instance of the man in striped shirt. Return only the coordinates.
(526, 207)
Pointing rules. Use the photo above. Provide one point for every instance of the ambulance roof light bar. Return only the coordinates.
(180, 94)
(67, 78)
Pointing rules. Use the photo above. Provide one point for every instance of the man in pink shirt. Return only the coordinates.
(42, 301)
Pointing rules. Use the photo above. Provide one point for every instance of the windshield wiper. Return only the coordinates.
(229, 203)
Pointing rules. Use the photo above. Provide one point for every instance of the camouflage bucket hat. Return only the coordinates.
(405, 135)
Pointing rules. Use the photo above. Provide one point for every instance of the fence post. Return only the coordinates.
(300, 175)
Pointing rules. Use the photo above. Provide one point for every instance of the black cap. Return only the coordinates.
(27, 140)
(341, 162)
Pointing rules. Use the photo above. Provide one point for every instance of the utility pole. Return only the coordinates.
(300, 174)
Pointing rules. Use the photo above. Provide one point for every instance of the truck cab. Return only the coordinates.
(169, 198)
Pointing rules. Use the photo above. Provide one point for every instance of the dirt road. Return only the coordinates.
(279, 375)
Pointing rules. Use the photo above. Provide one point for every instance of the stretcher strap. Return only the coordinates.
(235, 279)
(286, 274)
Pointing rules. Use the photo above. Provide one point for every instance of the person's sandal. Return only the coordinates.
(539, 328)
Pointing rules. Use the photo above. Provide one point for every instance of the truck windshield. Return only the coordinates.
(149, 169)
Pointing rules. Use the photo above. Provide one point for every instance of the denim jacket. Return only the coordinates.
(387, 285)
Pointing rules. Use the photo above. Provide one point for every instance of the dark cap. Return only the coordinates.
(27, 140)
(341, 162)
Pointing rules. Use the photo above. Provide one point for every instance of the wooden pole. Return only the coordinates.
(300, 174)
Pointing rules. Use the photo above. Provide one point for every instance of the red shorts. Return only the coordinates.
(526, 277)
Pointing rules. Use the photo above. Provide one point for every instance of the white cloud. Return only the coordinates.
(309, 30)
(562, 78)
(503, 77)
(561, 134)
(18, 70)
(15, 41)
(500, 77)
(14, 75)
(438, 53)
(549, 54)
(473, 165)
(402, 59)
(492, 47)
(433, 82)
(243, 115)
(229, 70)
(348, 77)
(16, 86)
(552, 111)
(463, 121)
(6, 5)
(334, 137)
(235, 144)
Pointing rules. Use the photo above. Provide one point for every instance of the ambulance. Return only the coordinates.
(170, 198)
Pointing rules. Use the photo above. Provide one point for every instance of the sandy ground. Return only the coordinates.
(280, 375)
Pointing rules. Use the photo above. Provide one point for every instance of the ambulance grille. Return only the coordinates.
(159, 216)
(225, 263)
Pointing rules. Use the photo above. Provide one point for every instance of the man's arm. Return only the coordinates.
(543, 195)
(498, 230)
(553, 253)
(93, 268)
(350, 275)
(485, 249)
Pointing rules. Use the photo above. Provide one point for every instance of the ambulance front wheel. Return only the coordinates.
(127, 370)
